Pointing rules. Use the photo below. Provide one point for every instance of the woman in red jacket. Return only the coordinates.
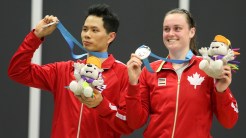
(179, 99)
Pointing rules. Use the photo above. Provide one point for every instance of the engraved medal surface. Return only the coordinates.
(143, 52)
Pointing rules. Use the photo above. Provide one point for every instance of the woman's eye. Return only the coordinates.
(177, 28)
(166, 29)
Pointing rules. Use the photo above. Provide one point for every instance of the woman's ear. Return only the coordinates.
(192, 32)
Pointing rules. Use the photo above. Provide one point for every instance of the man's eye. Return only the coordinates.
(95, 30)
(84, 29)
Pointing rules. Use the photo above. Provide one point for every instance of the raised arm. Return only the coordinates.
(21, 69)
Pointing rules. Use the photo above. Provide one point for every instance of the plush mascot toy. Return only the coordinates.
(218, 54)
(87, 77)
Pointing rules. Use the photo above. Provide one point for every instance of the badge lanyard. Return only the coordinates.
(144, 52)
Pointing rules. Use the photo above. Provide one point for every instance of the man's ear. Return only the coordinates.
(111, 37)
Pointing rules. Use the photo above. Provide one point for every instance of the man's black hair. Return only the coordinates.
(110, 20)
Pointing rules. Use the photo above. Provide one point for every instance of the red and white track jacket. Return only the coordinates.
(178, 108)
(108, 120)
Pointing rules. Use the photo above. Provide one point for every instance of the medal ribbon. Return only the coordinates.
(71, 40)
(147, 64)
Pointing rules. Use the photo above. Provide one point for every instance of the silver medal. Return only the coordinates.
(143, 52)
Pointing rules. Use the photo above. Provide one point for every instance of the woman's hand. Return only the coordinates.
(134, 69)
(225, 79)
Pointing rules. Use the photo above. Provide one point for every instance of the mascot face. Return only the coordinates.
(91, 71)
(217, 48)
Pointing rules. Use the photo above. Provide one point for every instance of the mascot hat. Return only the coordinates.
(221, 38)
(95, 61)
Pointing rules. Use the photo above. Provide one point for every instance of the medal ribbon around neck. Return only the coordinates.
(71, 40)
(144, 52)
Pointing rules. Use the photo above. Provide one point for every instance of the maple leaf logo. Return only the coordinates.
(195, 79)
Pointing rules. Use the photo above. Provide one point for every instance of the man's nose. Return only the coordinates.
(87, 34)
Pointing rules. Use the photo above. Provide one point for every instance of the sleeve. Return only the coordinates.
(225, 108)
(115, 115)
(23, 71)
(137, 102)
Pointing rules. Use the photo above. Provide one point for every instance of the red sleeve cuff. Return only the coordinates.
(103, 108)
(35, 37)
(223, 97)
(133, 90)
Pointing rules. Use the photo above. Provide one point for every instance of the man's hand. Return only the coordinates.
(41, 31)
(91, 102)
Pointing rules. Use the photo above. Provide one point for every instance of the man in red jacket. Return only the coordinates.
(102, 116)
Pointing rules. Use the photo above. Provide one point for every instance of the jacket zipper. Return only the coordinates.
(80, 118)
(177, 98)
(176, 109)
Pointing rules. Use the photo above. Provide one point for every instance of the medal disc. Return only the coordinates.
(143, 52)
